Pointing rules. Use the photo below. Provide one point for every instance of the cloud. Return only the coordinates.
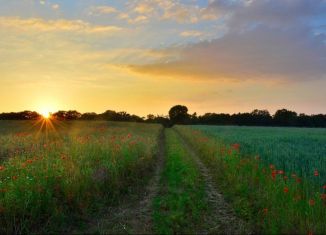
(192, 33)
(273, 13)
(138, 19)
(265, 39)
(42, 25)
(263, 53)
(55, 6)
(104, 10)
(172, 10)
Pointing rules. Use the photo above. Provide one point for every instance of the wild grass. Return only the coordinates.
(273, 200)
(50, 178)
(180, 205)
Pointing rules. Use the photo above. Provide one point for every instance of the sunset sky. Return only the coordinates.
(144, 56)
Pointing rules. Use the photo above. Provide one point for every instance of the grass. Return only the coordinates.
(50, 179)
(273, 200)
(180, 205)
(295, 150)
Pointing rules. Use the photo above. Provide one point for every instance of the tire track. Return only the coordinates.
(222, 219)
(132, 215)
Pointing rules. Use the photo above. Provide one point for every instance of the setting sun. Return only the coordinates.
(45, 114)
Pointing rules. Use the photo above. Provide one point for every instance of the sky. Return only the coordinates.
(144, 56)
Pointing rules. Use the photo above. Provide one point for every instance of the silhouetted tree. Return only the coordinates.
(88, 116)
(261, 117)
(284, 117)
(66, 115)
(179, 114)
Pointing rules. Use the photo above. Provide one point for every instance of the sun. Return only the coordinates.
(45, 114)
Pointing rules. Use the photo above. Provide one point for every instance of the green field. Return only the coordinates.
(295, 150)
(115, 177)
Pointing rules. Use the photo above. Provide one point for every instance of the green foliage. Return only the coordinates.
(53, 176)
(179, 207)
(274, 201)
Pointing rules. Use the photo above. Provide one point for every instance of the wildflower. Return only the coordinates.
(285, 178)
(274, 172)
(236, 146)
(294, 175)
(324, 187)
(286, 190)
(2, 168)
(323, 196)
(311, 202)
(280, 172)
(29, 161)
(265, 211)
(316, 173)
(271, 166)
(14, 177)
(298, 180)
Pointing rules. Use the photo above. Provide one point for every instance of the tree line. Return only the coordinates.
(179, 115)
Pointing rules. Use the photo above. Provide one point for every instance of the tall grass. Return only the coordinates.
(48, 179)
(273, 200)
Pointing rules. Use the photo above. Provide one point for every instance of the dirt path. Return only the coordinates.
(222, 219)
(133, 215)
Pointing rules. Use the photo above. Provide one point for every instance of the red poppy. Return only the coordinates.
(265, 210)
(280, 172)
(14, 177)
(316, 173)
(236, 146)
(2, 168)
(324, 187)
(286, 190)
(298, 180)
(311, 202)
(271, 166)
(323, 196)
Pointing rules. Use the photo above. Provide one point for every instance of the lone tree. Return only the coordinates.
(179, 114)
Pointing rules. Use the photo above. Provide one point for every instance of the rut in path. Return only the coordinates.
(222, 219)
(133, 215)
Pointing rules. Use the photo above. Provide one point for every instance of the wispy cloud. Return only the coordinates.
(103, 10)
(192, 33)
(39, 24)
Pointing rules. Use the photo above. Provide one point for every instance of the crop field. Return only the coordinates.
(295, 150)
(114, 177)
(274, 177)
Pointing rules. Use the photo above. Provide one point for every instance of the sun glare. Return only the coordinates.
(45, 114)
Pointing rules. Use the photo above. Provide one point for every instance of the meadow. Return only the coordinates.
(53, 172)
(59, 176)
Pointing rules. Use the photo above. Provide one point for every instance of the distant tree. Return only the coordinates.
(284, 117)
(318, 120)
(215, 119)
(261, 117)
(67, 115)
(179, 114)
(89, 116)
